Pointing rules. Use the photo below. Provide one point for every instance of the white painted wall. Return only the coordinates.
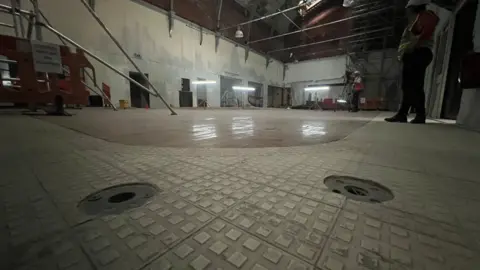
(323, 71)
(143, 29)
(327, 70)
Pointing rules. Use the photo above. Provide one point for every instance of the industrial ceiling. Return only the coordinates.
(308, 29)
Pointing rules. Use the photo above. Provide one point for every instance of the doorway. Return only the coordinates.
(278, 97)
(229, 97)
(255, 98)
(139, 98)
(185, 95)
(202, 94)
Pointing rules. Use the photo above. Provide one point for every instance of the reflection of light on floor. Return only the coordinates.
(209, 119)
(242, 126)
(204, 132)
(312, 129)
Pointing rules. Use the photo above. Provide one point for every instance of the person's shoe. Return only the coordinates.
(418, 120)
(397, 119)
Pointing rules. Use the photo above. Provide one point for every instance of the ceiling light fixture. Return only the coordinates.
(204, 82)
(317, 88)
(341, 101)
(239, 33)
(348, 3)
(243, 88)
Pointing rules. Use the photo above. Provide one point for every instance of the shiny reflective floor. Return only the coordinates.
(215, 128)
(236, 208)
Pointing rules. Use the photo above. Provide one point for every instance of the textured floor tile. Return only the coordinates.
(359, 240)
(216, 192)
(222, 252)
(297, 225)
(58, 252)
(135, 238)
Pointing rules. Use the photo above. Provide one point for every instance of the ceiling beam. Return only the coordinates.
(263, 17)
(328, 40)
(322, 25)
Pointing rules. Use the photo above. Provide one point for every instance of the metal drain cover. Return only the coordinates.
(358, 189)
(117, 199)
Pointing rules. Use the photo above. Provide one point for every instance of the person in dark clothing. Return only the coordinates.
(415, 52)
(357, 88)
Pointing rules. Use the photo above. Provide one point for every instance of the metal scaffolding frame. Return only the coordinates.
(359, 52)
(35, 20)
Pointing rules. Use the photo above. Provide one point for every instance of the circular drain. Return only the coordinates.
(358, 189)
(117, 199)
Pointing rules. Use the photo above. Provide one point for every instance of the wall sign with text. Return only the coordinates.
(46, 57)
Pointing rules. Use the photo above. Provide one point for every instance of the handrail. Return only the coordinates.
(53, 30)
(104, 27)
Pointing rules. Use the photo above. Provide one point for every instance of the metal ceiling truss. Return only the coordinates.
(359, 51)
(217, 32)
(322, 25)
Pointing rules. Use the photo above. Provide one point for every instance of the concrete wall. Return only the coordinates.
(325, 71)
(143, 31)
(300, 96)
(329, 69)
(381, 70)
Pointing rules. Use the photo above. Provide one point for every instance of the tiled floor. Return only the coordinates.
(241, 208)
(215, 127)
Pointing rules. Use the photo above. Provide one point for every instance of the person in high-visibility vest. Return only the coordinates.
(415, 52)
(357, 88)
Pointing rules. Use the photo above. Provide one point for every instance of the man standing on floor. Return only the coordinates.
(415, 52)
(357, 88)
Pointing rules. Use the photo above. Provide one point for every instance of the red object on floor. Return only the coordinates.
(29, 86)
(106, 90)
(146, 107)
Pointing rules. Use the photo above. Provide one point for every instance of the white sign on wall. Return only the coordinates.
(363, 100)
(46, 57)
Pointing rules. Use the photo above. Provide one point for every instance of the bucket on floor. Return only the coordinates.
(123, 103)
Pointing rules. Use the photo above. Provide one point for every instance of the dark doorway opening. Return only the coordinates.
(202, 94)
(185, 95)
(139, 98)
(279, 97)
(228, 96)
(95, 101)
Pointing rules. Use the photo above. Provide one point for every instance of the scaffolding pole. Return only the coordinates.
(56, 32)
(6, 25)
(18, 5)
(263, 17)
(14, 17)
(328, 40)
(320, 25)
(6, 8)
(95, 85)
(92, 12)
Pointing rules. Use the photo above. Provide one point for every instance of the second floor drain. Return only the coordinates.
(358, 189)
(117, 199)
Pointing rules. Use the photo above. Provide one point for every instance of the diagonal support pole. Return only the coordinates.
(92, 12)
(62, 36)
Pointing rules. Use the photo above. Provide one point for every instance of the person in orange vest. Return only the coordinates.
(415, 52)
(357, 88)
